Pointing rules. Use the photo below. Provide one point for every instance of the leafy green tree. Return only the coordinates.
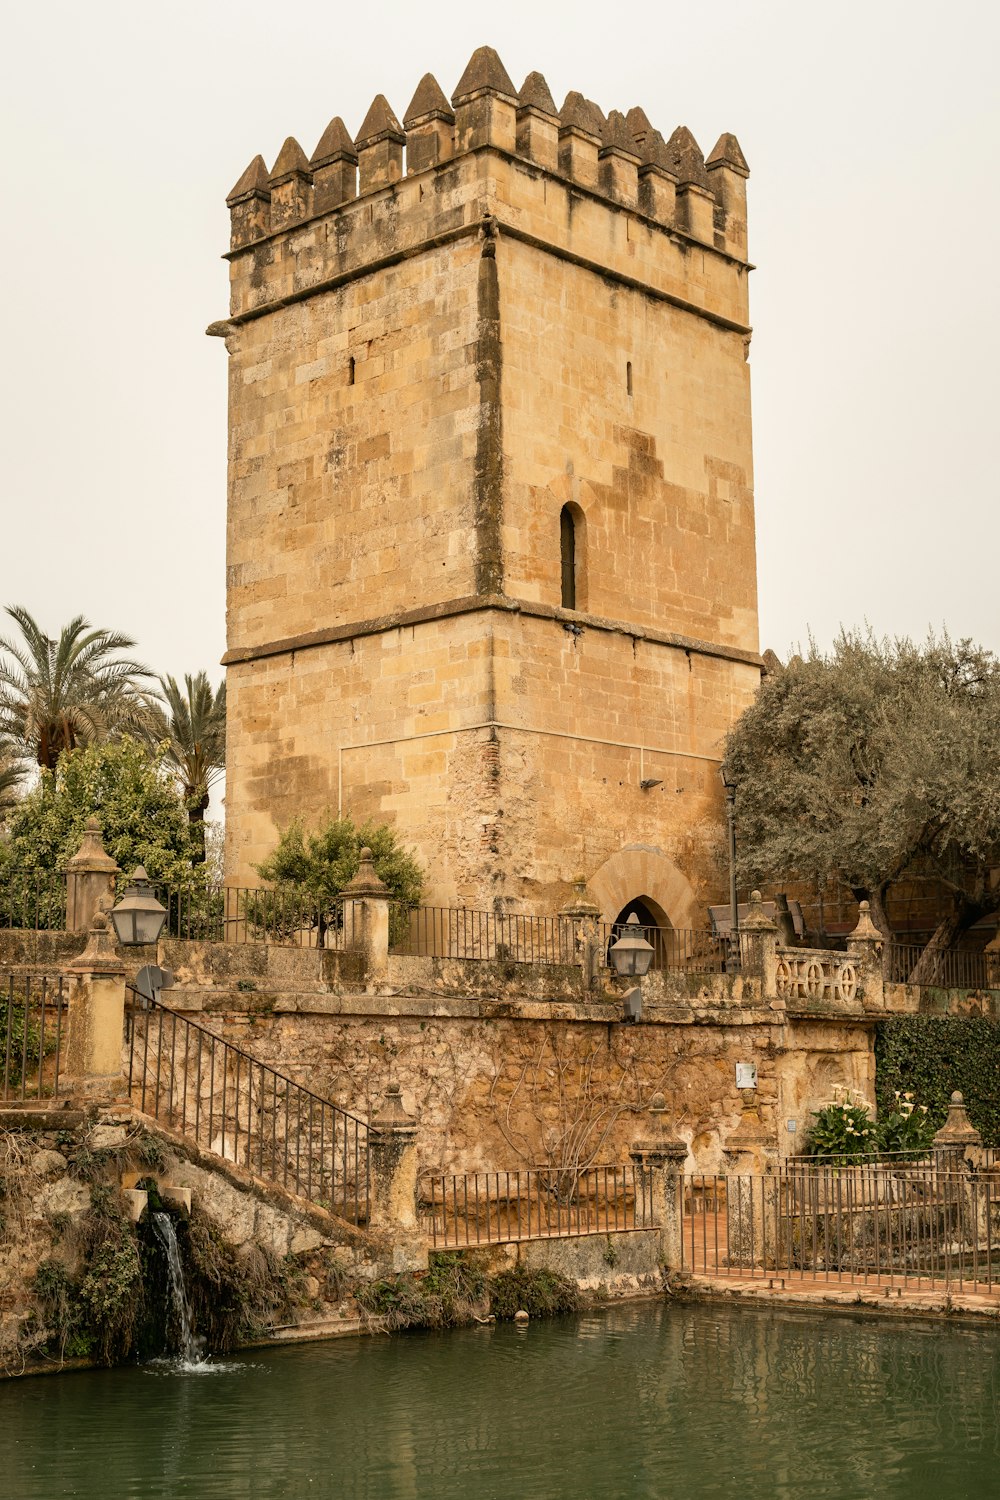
(191, 723)
(312, 868)
(142, 815)
(875, 763)
(56, 695)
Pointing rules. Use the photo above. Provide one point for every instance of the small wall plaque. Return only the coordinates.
(791, 1126)
(746, 1075)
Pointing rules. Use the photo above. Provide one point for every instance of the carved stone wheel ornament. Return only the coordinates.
(847, 982)
(815, 981)
(782, 977)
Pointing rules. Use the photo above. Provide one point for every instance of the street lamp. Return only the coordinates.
(138, 917)
(631, 957)
(734, 910)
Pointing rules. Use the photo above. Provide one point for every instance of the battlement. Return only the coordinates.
(618, 159)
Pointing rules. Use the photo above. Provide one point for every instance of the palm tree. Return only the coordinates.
(11, 775)
(193, 727)
(77, 690)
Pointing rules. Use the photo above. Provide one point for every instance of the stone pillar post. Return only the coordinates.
(392, 1145)
(958, 1149)
(585, 917)
(865, 946)
(660, 1159)
(90, 874)
(97, 1013)
(366, 918)
(750, 1156)
(958, 1138)
(760, 947)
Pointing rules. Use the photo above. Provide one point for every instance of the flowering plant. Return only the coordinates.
(907, 1128)
(842, 1131)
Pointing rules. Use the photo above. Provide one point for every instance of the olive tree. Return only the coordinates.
(876, 762)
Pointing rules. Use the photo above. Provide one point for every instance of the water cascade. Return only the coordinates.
(180, 1307)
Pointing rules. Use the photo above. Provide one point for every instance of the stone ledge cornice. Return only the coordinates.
(484, 603)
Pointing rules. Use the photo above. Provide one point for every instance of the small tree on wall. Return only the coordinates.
(311, 868)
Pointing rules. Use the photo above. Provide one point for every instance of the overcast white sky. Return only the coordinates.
(872, 135)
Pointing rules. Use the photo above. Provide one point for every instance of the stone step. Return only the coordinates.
(31, 1115)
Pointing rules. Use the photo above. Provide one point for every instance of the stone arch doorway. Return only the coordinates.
(643, 873)
(654, 923)
(649, 912)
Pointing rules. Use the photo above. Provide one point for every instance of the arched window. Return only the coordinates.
(567, 553)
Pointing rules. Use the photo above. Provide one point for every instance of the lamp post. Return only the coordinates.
(631, 957)
(138, 917)
(734, 910)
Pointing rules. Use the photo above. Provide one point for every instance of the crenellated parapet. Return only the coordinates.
(621, 159)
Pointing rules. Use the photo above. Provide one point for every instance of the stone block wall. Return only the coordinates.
(441, 334)
(498, 1081)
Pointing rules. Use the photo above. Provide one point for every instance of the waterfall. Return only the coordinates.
(163, 1226)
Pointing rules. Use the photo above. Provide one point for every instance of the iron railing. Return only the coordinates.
(943, 1157)
(34, 903)
(682, 948)
(33, 1031)
(948, 969)
(222, 1098)
(464, 932)
(253, 914)
(887, 1224)
(495, 1208)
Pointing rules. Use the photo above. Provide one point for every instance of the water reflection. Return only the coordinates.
(643, 1401)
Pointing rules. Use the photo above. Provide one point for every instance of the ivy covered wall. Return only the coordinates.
(930, 1056)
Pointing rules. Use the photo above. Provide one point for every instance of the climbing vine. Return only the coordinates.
(930, 1056)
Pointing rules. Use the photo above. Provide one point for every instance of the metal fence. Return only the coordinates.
(887, 1223)
(949, 968)
(33, 1030)
(682, 948)
(463, 932)
(222, 1098)
(34, 902)
(253, 914)
(495, 1208)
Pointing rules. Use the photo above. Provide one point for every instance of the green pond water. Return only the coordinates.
(647, 1400)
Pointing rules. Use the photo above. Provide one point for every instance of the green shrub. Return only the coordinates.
(21, 1038)
(447, 1295)
(456, 1290)
(95, 1313)
(234, 1295)
(308, 870)
(842, 1131)
(907, 1129)
(53, 1286)
(542, 1294)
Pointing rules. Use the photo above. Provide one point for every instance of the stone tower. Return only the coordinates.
(491, 570)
